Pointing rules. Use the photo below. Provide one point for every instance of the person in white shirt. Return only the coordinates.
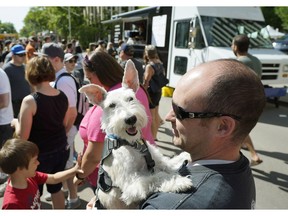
(6, 116)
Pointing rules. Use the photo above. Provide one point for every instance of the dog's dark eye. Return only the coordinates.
(130, 99)
(112, 105)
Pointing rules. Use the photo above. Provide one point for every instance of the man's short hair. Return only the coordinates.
(242, 42)
(127, 49)
(33, 38)
(17, 153)
(238, 91)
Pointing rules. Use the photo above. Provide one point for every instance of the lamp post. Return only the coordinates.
(69, 20)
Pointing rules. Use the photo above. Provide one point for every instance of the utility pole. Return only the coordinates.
(69, 20)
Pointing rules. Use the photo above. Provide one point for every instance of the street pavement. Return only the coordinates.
(270, 137)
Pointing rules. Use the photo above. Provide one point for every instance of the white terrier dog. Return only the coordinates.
(131, 169)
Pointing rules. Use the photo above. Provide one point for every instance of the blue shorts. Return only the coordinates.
(50, 164)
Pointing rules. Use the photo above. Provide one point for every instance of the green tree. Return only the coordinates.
(271, 17)
(7, 27)
(56, 20)
(35, 21)
(282, 12)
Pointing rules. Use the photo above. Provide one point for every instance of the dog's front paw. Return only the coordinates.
(176, 184)
(185, 156)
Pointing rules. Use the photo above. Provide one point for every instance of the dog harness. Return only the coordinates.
(113, 142)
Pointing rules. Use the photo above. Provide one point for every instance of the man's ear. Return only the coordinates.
(130, 78)
(225, 126)
(95, 93)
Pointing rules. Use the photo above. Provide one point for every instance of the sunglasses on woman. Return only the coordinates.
(181, 114)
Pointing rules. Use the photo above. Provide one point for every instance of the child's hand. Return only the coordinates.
(79, 161)
(14, 122)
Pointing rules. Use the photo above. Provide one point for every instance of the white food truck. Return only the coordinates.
(188, 36)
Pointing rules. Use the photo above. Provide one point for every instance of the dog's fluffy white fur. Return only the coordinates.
(126, 166)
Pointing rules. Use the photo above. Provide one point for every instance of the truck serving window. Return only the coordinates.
(220, 31)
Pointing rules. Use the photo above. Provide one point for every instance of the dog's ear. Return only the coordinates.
(130, 78)
(95, 93)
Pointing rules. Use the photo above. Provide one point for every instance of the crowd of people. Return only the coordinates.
(39, 109)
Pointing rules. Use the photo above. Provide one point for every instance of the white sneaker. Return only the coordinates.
(3, 188)
(73, 205)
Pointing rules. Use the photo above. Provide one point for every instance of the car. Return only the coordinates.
(281, 44)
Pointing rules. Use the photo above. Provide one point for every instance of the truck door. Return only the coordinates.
(186, 48)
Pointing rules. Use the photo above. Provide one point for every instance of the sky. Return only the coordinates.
(14, 15)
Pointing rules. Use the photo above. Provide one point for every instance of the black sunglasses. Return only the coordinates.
(72, 61)
(21, 55)
(181, 114)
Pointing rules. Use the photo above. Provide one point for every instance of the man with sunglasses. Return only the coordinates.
(210, 119)
(15, 70)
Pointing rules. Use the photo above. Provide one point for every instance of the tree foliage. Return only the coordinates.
(276, 17)
(56, 20)
(282, 12)
(7, 27)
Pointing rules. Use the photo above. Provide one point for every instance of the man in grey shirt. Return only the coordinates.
(240, 46)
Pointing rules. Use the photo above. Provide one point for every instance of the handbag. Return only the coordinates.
(158, 80)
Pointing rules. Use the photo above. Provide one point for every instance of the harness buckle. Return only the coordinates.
(112, 144)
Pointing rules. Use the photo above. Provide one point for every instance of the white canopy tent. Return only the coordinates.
(274, 33)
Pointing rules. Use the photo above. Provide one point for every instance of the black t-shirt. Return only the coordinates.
(223, 186)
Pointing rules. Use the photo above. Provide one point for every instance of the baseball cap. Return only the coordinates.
(69, 56)
(127, 49)
(7, 42)
(18, 49)
(51, 50)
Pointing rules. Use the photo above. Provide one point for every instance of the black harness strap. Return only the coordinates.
(104, 181)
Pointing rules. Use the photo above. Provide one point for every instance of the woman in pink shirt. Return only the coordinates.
(102, 69)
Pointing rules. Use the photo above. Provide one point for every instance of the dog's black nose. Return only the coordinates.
(131, 120)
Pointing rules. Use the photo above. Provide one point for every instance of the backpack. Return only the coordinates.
(82, 102)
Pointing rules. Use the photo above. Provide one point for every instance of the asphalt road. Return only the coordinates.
(270, 137)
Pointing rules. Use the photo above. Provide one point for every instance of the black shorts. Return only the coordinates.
(52, 163)
(6, 132)
(154, 98)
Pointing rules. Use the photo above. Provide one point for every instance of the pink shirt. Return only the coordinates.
(90, 127)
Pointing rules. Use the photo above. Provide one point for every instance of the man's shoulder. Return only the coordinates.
(6, 66)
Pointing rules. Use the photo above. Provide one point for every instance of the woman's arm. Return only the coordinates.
(90, 159)
(27, 111)
(149, 72)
